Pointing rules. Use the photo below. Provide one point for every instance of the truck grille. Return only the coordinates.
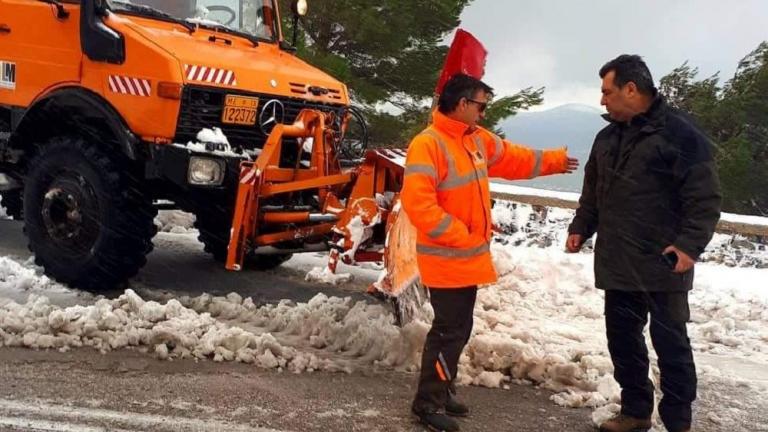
(201, 107)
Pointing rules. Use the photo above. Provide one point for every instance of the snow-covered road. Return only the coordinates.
(45, 416)
(540, 324)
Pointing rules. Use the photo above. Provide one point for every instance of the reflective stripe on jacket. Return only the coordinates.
(447, 197)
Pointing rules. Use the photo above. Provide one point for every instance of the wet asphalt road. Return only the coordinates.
(178, 267)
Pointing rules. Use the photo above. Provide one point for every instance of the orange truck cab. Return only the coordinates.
(111, 109)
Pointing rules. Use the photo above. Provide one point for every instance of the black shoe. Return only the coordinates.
(437, 422)
(455, 408)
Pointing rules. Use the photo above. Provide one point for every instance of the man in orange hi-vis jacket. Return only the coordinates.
(447, 197)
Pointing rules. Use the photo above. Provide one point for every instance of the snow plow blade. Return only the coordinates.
(400, 253)
(353, 212)
(400, 284)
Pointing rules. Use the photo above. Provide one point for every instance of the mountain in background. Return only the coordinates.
(572, 125)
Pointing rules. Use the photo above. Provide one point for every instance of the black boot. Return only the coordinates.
(455, 408)
(437, 422)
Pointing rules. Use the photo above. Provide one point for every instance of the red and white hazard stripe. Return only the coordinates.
(210, 75)
(249, 176)
(129, 85)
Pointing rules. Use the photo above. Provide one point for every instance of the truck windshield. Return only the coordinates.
(257, 18)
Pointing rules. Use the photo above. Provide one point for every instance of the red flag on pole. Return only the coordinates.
(466, 55)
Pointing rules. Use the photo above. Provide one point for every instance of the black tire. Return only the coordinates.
(12, 201)
(214, 228)
(87, 220)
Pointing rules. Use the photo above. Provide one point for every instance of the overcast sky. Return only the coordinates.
(561, 44)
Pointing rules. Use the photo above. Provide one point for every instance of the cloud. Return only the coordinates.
(520, 65)
(561, 44)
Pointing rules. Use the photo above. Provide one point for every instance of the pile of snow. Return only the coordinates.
(220, 328)
(736, 251)
(20, 280)
(212, 141)
(174, 221)
(16, 277)
(540, 324)
(323, 275)
(543, 323)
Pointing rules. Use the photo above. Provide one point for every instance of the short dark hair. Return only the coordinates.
(460, 86)
(630, 68)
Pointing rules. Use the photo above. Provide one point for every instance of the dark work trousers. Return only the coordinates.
(626, 314)
(446, 339)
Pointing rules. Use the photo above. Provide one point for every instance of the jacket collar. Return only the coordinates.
(648, 121)
(449, 126)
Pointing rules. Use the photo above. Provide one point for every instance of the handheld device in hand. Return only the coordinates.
(670, 259)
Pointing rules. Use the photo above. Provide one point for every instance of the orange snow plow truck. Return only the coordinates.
(111, 109)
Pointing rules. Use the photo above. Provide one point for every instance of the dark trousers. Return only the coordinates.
(626, 314)
(446, 339)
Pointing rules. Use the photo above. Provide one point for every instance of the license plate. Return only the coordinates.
(240, 110)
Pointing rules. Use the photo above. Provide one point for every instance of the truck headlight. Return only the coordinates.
(205, 171)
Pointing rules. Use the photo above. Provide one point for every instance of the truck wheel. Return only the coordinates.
(87, 220)
(12, 202)
(214, 235)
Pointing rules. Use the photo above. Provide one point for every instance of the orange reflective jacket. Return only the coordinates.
(446, 195)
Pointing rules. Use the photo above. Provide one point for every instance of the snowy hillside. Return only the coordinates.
(571, 125)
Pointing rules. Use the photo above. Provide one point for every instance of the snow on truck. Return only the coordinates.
(111, 108)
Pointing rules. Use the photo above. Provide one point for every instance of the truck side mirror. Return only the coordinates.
(98, 41)
(100, 7)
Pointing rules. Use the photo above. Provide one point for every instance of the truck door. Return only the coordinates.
(39, 48)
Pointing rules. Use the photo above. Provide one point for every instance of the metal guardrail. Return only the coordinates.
(725, 226)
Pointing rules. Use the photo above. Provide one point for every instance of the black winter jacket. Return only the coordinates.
(648, 184)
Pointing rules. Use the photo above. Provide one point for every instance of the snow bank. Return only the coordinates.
(540, 324)
(323, 275)
(524, 225)
(19, 280)
(214, 327)
(174, 221)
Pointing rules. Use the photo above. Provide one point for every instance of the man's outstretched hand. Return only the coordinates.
(573, 165)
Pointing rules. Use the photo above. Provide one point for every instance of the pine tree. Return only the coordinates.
(390, 54)
(735, 117)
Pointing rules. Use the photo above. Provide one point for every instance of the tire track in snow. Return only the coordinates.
(42, 416)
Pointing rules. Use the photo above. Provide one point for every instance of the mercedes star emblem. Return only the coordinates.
(272, 113)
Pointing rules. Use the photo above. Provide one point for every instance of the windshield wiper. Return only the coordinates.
(212, 25)
(151, 12)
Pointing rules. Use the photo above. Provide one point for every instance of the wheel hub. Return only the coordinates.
(68, 212)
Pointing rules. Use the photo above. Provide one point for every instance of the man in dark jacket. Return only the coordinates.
(651, 194)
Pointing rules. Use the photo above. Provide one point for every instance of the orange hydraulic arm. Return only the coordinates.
(352, 203)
